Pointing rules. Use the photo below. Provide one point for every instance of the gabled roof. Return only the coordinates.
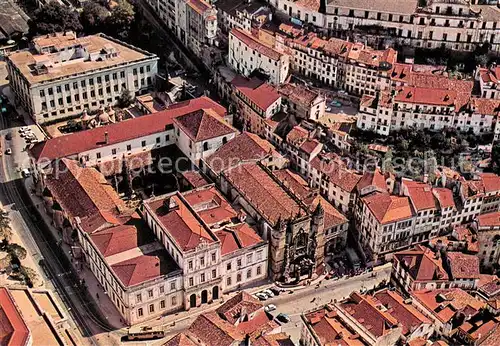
(489, 220)
(463, 266)
(180, 221)
(364, 310)
(137, 270)
(123, 131)
(244, 147)
(210, 205)
(388, 208)
(84, 193)
(241, 302)
(262, 94)
(421, 264)
(491, 181)
(203, 124)
(180, 339)
(213, 330)
(444, 197)
(237, 237)
(420, 195)
(374, 178)
(409, 317)
(255, 44)
(13, 331)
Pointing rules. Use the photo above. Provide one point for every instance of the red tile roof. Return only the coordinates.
(263, 192)
(180, 339)
(255, 44)
(491, 182)
(485, 106)
(13, 329)
(298, 94)
(375, 179)
(83, 141)
(244, 147)
(276, 339)
(242, 302)
(180, 221)
(194, 178)
(426, 96)
(210, 329)
(297, 135)
(387, 208)
(84, 193)
(203, 124)
(121, 238)
(199, 6)
(409, 317)
(463, 266)
(337, 174)
(137, 270)
(489, 220)
(210, 205)
(237, 237)
(420, 195)
(262, 94)
(444, 197)
(421, 264)
(450, 302)
(364, 310)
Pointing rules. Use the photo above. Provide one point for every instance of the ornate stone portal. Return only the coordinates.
(297, 246)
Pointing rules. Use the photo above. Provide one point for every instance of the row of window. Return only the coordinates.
(150, 293)
(229, 280)
(162, 306)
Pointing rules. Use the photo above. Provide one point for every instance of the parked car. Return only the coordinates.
(24, 129)
(283, 318)
(268, 292)
(276, 290)
(26, 173)
(8, 151)
(261, 296)
(270, 307)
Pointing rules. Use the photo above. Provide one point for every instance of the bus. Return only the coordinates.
(145, 333)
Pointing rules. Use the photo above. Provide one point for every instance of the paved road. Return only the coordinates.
(298, 302)
(56, 271)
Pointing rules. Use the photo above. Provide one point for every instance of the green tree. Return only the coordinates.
(29, 275)
(17, 250)
(121, 19)
(54, 17)
(93, 17)
(495, 158)
(5, 230)
(125, 99)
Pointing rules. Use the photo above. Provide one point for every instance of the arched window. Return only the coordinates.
(301, 240)
(205, 146)
(224, 140)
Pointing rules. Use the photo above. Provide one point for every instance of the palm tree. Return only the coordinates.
(5, 230)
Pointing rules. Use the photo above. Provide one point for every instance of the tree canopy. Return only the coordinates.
(54, 17)
(94, 17)
(5, 230)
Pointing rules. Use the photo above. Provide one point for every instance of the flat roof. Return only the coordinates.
(25, 60)
(393, 6)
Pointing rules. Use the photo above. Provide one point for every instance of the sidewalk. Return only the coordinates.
(100, 299)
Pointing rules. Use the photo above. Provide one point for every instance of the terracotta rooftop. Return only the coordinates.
(149, 266)
(194, 179)
(199, 6)
(263, 192)
(310, 197)
(372, 179)
(210, 329)
(426, 96)
(407, 7)
(445, 303)
(203, 124)
(237, 237)
(409, 317)
(83, 141)
(275, 339)
(255, 44)
(242, 302)
(491, 181)
(210, 205)
(244, 147)
(260, 93)
(180, 221)
(463, 266)
(364, 310)
(13, 329)
(337, 174)
(444, 197)
(298, 94)
(180, 339)
(489, 220)
(84, 193)
(387, 208)
(331, 329)
(420, 195)
(421, 264)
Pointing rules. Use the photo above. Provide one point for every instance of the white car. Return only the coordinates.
(270, 307)
(24, 129)
(269, 293)
(261, 296)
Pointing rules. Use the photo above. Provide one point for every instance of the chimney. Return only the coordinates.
(106, 137)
